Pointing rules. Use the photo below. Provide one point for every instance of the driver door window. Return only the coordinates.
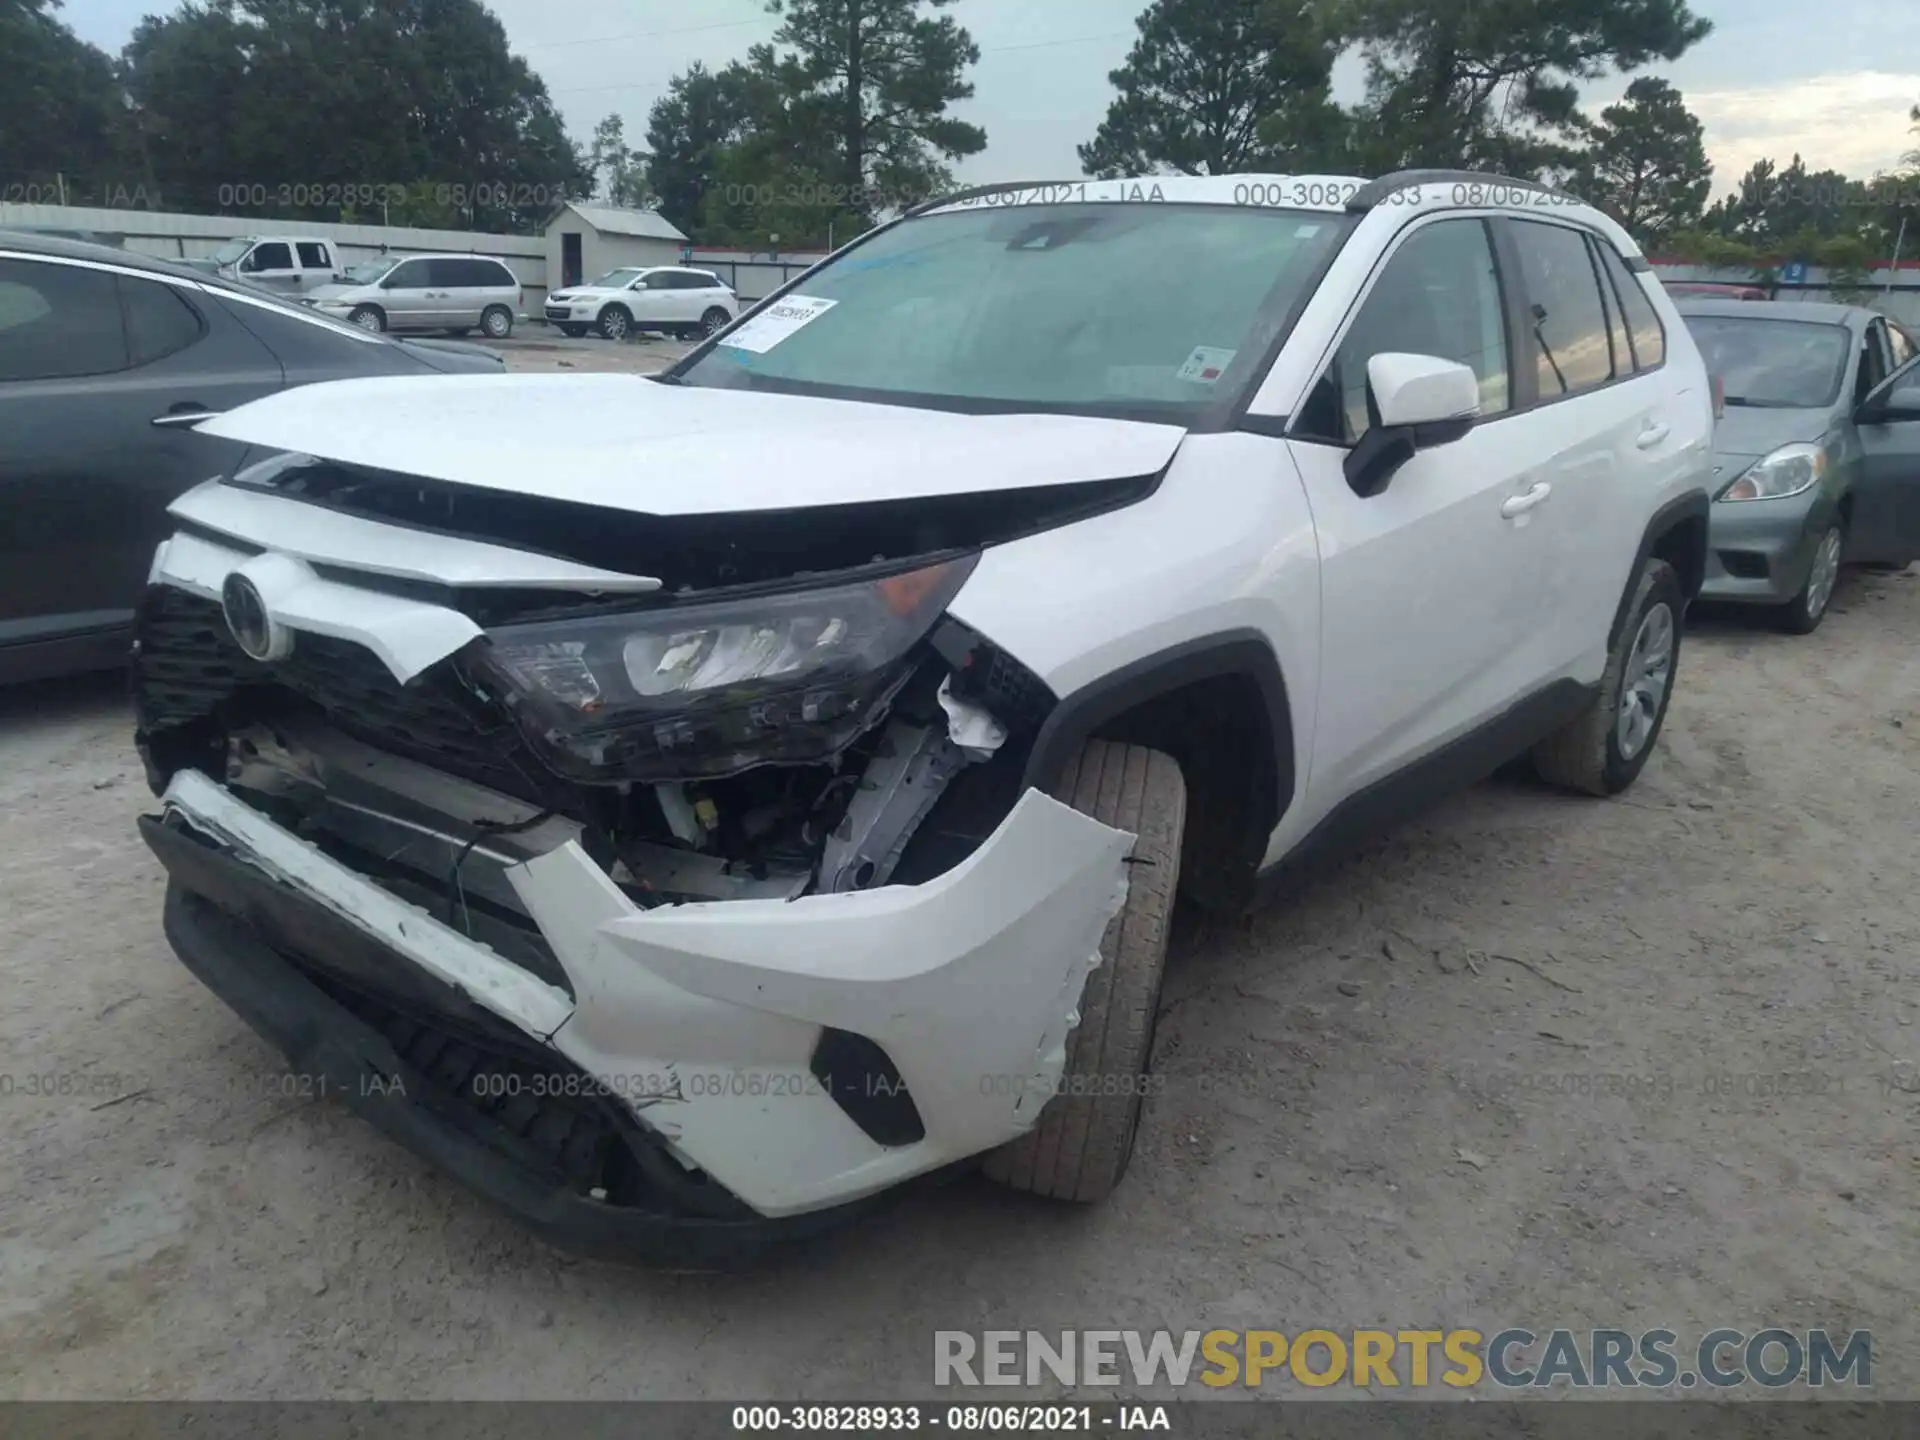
(269, 258)
(1438, 295)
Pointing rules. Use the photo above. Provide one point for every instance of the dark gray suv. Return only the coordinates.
(107, 361)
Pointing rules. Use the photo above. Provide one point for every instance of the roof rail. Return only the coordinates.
(975, 192)
(1375, 191)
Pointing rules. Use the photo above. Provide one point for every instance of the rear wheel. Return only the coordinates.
(1603, 750)
(714, 321)
(1080, 1146)
(1802, 614)
(497, 322)
(369, 317)
(616, 323)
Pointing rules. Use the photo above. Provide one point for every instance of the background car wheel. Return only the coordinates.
(714, 321)
(615, 323)
(1084, 1138)
(369, 317)
(497, 322)
(1802, 614)
(1604, 749)
(573, 332)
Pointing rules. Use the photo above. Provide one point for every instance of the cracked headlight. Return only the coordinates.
(700, 691)
(1787, 471)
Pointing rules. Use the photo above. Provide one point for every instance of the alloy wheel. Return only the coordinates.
(1643, 685)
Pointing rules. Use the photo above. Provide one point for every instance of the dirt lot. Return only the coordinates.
(539, 349)
(1648, 1062)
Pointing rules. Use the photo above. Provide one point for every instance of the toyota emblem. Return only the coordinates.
(255, 631)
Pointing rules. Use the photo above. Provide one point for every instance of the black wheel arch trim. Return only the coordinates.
(1694, 505)
(1243, 652)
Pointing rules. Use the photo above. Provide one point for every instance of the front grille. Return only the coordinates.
(187, 668)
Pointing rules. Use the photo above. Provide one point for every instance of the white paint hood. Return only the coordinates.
(627, 442)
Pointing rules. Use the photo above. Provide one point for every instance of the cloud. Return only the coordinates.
(1855, 123)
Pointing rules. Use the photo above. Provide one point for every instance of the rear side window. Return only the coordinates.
(58, 321)
(1438, 295)
(159, 321)
(313, 257)
(475, 274)
(1566, 320)
(1643, 321)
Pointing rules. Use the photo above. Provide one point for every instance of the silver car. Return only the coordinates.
(1817, 458)
(454, 293)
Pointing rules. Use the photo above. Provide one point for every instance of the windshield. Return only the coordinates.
(367, 272)
(232, 251)
(618, 279)
(1089, 307)
(1774, 364)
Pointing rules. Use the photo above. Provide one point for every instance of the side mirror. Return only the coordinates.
(1415, 402)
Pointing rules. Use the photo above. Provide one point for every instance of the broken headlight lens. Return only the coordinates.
(705, 690)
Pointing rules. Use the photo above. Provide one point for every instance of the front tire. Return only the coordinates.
(1603, 750)
(1080, 1146)
(615, 323)
(496, 322)
(369, 317)
(1802, 614)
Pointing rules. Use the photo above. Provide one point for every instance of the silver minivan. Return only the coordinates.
(457, 293)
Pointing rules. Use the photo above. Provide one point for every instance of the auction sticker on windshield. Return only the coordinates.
(1206, 364)
(777, 322)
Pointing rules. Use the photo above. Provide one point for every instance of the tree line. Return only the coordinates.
(416, 112)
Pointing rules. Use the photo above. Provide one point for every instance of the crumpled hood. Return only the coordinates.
(630, 443)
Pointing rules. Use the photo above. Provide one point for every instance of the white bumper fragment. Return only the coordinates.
(704, 1017)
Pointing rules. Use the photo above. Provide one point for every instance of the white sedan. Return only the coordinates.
(684, 303)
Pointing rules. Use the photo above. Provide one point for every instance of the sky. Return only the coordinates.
(1829, 79)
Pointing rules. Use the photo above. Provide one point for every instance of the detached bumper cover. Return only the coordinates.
(704, 1018)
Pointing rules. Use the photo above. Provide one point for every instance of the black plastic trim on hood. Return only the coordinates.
(698, 554)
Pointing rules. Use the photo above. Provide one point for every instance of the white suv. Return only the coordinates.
(682, 302)
(688, 807)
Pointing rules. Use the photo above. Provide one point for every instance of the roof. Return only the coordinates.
(1805, 311)
(1405, 193)
(623, 220)
(28, 242)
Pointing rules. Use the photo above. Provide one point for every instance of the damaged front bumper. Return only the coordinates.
(785, 1058)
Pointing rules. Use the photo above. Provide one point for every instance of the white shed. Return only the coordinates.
(584, 241)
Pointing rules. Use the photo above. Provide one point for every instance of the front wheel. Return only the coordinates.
(1603, 750)
(496, 322)
(369, 317)
(1802, 614)
(1079, 1148)
(615, 323)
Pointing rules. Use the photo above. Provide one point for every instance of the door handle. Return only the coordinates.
(1653, 434)
(181, 417)
(1516, 505)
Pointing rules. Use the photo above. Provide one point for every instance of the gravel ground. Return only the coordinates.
(537, 349)
(1535, 1060)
